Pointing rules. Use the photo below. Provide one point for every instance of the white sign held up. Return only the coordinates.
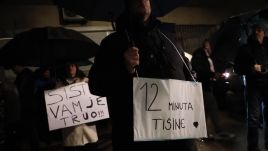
(73, 105)
(168, 109)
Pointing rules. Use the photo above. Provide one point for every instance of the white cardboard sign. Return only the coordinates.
(168, 109)
(73, 105)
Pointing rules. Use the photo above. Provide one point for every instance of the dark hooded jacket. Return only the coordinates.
(109, 77)
(201, 66)
(25, 86)
(248, 55)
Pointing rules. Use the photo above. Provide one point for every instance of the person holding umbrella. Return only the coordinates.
(138, 47)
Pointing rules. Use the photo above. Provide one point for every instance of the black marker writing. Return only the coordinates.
(149, 108)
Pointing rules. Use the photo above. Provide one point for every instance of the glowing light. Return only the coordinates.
(226, 75)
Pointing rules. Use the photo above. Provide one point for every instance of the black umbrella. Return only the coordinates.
(47, 46)
(109, 10)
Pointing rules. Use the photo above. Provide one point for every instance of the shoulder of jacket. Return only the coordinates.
(199, 52)
(84, 79)
(113, 36)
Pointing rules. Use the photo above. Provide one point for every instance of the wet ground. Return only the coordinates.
(230, 122)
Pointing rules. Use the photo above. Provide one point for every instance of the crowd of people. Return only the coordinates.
(138, 48)
(30, 130)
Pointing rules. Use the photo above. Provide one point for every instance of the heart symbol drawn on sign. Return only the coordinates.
(196, 124)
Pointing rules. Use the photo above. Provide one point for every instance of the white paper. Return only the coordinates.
(168, 109)
(73, 105)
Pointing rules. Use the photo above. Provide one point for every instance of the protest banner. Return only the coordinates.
(73, 105)
(168, 109)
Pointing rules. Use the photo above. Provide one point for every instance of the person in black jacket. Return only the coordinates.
(137, 47)
(202, 64)
(252, 61)
(27, 133)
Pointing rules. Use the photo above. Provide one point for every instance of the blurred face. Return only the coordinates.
(259, 33)
(140, 9)
(46, 74)
(17, 69)
(207, 47)
(72, 70)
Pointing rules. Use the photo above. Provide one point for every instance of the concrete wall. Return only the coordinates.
(209, 15)
(195, 15)
(27, 16)
(19, 17)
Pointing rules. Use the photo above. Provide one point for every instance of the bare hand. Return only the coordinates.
(257, 67)
(132, 58)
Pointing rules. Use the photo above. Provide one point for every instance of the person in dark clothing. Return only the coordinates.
(202, 64)
(251, 61)
(44, 80)
(138, 47)
(25, 86)
(11, 121)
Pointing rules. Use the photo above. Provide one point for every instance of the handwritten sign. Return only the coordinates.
(73, 105)
(168, 109)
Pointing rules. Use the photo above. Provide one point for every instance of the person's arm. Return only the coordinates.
(187, 68)
(189, 72)
(98, 71)
(109, 66)
(200, 66)
(244, 62)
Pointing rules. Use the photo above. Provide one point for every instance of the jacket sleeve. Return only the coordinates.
(108, 68)
(99, 73)
(200, 66)
(188, 71)
(187, 67)
(96, 74)
(244, 62)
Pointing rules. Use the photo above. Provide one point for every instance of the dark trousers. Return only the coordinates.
(22, 137)
(211, 109)
(253, 97)
(86, 147)
(180, 145)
